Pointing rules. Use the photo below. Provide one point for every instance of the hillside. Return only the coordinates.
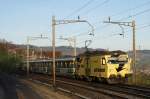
(143, 56)
(66, 50)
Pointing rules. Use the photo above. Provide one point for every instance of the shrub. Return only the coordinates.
(8, 61)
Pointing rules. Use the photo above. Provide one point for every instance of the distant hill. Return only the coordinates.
(143, 60)
(143, 56)
(66, 50)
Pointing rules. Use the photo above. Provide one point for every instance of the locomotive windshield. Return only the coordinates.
(118, 60)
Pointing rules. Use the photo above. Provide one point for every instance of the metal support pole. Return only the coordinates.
(53, 44)
(28, 56)
(134, 51)
(41, 50)
(28, 52)
(58, 22)
(72, 40)
(75, 49)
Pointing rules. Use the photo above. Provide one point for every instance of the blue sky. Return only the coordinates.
(22, 18)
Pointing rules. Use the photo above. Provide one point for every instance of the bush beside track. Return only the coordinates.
(8, 61)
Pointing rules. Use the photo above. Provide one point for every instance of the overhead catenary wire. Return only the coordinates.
(114, 34)
(79, 9)
(97, 6)
(127, 10)
(133, 15)
(136, 14)
(81, 34)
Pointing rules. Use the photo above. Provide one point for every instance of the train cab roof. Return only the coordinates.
(102, 53)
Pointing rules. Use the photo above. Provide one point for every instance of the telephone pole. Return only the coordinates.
(132, 25)
(58, 22)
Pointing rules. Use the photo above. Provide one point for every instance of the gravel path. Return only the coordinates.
(12, 87)
(2, 93)
(37, 91)
(25, 92)
(7, 87)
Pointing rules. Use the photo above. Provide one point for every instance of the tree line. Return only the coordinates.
(9, 60)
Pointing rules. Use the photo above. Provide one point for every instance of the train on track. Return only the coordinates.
(108, 66)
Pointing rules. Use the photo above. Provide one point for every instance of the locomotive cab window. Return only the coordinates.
(103, 61)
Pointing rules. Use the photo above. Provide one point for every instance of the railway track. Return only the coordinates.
(132, 91)
(140, 88)
(139, 91)
(105, 92)
(81, 89)
(118, 91)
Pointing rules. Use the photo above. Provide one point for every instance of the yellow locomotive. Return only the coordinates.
(110, 66)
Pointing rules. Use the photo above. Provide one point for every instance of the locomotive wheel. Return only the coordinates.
(73, 77)
(124, 81)
(112, 81)
(89, 79)
(79, 77)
